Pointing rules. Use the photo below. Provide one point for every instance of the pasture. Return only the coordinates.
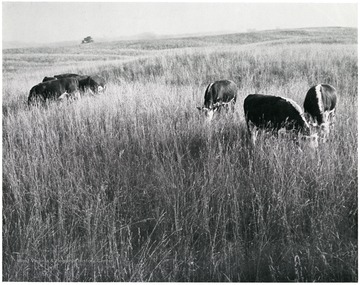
(134, 185)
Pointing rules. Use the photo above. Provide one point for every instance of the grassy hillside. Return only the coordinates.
(133, 185)
(15, 59)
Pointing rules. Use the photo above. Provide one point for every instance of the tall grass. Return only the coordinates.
(259, 68)
(133, 185)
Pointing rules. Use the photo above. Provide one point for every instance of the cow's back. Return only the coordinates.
(48, 79)
(267, 111)
(66, 75)
(224, 90)
(329, 97)
(220, 91)
(68, 85)
(319, 98)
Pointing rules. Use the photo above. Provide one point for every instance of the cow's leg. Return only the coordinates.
(76, 95)
(332, 118)
(253, 132)
(89, 90)
(325, 126)
(233, 106)
(324, 132)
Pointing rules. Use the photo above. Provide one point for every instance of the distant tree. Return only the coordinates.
(87, 40)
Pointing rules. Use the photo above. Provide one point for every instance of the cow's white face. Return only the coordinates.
(325, 128)
(209, 112)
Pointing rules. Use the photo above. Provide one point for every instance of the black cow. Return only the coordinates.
(319, 107)
(48, 79)
(58, 89)
(276, 113)
(94, 84)
(219, 94)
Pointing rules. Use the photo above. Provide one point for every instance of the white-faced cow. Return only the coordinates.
(219, 94)
(274, 113)
(319, 107)
(59, 89)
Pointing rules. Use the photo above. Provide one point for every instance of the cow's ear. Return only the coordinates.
(199, 108)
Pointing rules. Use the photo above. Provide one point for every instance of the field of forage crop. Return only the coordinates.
(134, 184)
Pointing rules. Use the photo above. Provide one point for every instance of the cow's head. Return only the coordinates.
(101, 89)
(211, 110)
(90, 85)
(325, 128)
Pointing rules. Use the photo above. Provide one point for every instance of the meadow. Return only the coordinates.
(134, 185)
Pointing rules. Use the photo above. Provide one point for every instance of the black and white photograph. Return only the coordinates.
(179, 141)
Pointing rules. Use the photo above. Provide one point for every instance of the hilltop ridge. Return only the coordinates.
(317, 35)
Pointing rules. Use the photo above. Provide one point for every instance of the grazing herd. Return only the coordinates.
(66, 86)
(262, 112)
(278, 114)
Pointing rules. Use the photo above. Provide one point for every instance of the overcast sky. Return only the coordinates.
(52, 22)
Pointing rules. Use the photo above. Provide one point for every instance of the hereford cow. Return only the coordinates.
(275, 113)
(319, 107)
(219, 94)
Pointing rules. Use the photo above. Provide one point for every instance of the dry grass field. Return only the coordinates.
(134, 185)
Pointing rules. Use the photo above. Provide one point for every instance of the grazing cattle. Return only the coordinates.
(48, 79)
(319, 107)
(59, 89)
(218, 94)
(94, 83)
(276, 113)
